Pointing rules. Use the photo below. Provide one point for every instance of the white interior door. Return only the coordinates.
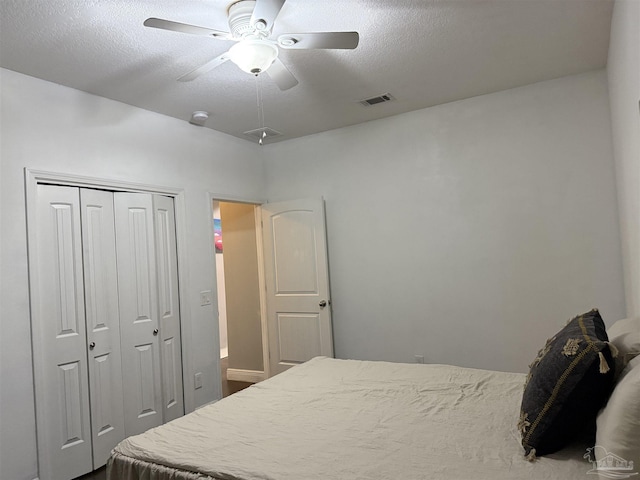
(139, 326)
(297, 281)
(169, 308)
(59, 337)
(102, 319)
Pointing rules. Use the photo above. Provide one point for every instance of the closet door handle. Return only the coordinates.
(322, 304)
(92, 345)
(155, 331)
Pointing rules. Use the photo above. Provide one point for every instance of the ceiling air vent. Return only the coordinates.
(258, 133)
(376, 100)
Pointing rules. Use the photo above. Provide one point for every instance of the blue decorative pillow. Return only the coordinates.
(568, 383)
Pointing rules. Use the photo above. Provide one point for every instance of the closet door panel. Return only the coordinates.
(139, 326)
(59, 336)
(103, 323)
(169, 307)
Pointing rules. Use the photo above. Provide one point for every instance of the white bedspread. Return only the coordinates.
(352, 420)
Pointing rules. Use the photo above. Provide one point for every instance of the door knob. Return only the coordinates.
(92, 345)
(155, 331)
(323, 304)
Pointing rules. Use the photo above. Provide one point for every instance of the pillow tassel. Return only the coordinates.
(532, 455)
(604, 366)
(614, 350)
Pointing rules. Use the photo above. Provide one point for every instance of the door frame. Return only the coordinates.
(220, 197)
(34, 177)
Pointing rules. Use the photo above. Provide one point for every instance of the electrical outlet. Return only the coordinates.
(197, 380)
(419, 358)
(205, 298)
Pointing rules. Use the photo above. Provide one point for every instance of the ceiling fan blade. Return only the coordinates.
(207, 67)
(184, 28)
(281, 75)
(341, 40)
(266, 12)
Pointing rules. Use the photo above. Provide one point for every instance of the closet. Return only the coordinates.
(105, 322)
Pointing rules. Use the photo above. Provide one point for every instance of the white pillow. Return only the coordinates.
(625, 336)
(618, 434)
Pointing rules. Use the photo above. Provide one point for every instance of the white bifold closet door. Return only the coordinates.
(105, 323)
(75, 332)
(169, 311)
(103, 328)
(147, 276)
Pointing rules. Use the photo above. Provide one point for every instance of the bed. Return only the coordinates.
(347, 419)
(330, 419)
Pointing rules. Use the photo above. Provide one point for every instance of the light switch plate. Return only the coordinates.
(197, 380)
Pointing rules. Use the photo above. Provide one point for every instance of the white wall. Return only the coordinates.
(623, 68)
(468, 232)
(49, 127)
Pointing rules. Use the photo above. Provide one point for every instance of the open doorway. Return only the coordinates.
(238, 248)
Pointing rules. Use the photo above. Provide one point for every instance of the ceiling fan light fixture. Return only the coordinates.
(253, 55)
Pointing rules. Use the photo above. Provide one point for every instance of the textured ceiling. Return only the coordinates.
(423, 52)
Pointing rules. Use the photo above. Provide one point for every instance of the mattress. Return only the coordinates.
(331, 419)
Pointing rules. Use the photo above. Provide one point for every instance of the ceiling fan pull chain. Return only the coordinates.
(260, 109)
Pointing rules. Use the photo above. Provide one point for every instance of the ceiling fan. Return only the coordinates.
(251, 23)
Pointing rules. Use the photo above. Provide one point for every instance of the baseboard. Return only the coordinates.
(239, 375)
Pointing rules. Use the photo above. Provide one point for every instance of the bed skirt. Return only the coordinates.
(121, 467)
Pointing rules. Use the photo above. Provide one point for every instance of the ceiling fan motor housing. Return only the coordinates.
(240, 19)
